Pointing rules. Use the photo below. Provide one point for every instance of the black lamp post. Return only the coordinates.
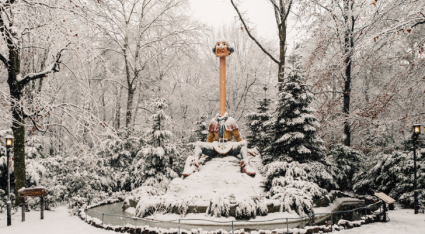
(9, 143)
(415, 135)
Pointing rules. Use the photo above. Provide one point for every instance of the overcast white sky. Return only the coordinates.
(217, 13)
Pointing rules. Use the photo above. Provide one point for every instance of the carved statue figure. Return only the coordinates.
(221, 128)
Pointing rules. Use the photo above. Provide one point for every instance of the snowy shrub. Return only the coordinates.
(219, 206)
(250, 208)
(119, 154)
(34, 171)
(154, 205)
(179, 160)
(314, 172)
(75, 203)
(246, 209)
(344, 162)
(295, 194)
(2, 201)
(393, 175)
(296, 185)
(182, 205)
(321, 174)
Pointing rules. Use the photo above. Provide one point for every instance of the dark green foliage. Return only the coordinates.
(152, 164)
(258, 126)
(393, 175)
(119, 154)
(201, 131)
(294, 124)
(344, 162)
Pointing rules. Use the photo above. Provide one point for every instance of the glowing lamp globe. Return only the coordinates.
(9, 140)
(417, 128)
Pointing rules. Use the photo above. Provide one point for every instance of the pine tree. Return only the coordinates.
(154, 159)
(393, 175)
(258, 128)
(294, 125)
(202, 129)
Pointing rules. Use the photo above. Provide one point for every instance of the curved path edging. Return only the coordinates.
(342, 224)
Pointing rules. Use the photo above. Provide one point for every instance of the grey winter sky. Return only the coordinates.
(217, 13)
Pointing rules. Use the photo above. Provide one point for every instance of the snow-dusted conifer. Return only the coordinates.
(294, 124)
(297, 185)
(119, 153)
(201, 129)
(258, 126)
(153, 160)
(393, 175)
(343, 162)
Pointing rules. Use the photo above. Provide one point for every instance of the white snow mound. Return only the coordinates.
(218, 177)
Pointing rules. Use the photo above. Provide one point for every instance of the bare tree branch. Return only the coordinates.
(54, 67)
(287, 12)
(252, 37)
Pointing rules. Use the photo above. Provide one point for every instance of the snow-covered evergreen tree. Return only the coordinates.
(393, 175)
(296, 185)
(344, 162)
(201, 131)
(153, 160)
(258, 126)
(294, 124)
(119, 153)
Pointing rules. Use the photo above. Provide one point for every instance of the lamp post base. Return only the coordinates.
(415, 202)
(9, 214)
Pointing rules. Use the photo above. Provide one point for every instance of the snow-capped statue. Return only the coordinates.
(221, 128)
(220, 133)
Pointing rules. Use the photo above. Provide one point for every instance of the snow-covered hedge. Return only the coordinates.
(343, 162)
(393, 175)
(250, 208)
(153, 205)
(295, 185)
(219, 206)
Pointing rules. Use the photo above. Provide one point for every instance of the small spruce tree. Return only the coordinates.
(258, 126)
(154, 159)
(201, 131)
(294, 124)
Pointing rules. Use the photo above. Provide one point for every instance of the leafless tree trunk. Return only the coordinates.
(281, 15)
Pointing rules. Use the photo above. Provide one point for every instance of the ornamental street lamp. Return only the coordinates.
(9, 143)
(416, 130)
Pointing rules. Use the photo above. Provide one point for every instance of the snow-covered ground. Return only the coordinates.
(218, 177)
(55, 222)
(59, 221)
(402, 221)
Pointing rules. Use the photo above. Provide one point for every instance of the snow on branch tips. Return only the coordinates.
(53, 67)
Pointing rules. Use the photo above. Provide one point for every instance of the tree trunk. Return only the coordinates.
(18, 126)
(348, 53)
(130, 98)
(118, 109)
(136, 112)
(130, 93)
(282, 52)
